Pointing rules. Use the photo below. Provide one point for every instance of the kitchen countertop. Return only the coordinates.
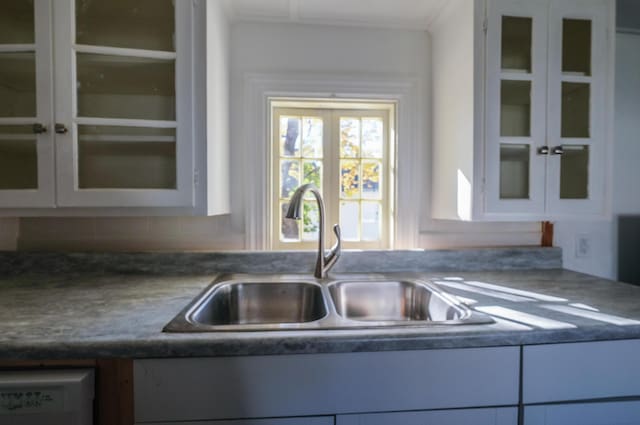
(107, 314)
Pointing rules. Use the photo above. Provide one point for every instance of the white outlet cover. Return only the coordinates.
(583, 246)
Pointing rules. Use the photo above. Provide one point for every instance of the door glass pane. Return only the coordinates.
(372, 179)
(289, 230)
(349, 179)
(514, 171)
(576, 46)
(515, 110)
(575, 110)
(349, 137)
(126, 87)
(312, 173)
(17, 22)
(350, 221)
(18, 158)
(126, 158)
(289, 178)
(371, 223)
(574, 172)
(17, 85)
(138, 24)
(290, 136)
(516, 44)
(310, 221)
(312, 130)
(372, 138)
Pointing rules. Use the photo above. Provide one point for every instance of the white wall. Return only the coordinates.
(602, 235)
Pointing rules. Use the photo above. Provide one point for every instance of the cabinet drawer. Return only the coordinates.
(617, 413)
(581, 371)
(319, 420)
(324, 384)
(502, 416)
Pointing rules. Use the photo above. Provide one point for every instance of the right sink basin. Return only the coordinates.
(395, 301)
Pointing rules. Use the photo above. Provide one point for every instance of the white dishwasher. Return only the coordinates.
(47, 397)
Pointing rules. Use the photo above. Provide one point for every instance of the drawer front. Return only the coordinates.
(502, 416)
(616, 413)
(324, 420)
(581, 371)
(324, 384)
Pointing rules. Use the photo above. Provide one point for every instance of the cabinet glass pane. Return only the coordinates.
(18, 158)
(138, 24)
(17, 85)
(515, 108)
(574, 172)
(575, 109)
(126, 158)
(126, 87)
(17, 22)
(576, 46)
(514, 171)
(516, 43)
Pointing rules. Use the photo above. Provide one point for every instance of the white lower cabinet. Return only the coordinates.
(320, 420)
(500, 416)
(611, 413)
(316, 386)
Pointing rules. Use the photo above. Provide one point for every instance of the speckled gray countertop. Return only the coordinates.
(66, 314)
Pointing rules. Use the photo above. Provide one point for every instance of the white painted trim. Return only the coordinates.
(124, 52)
(18, 121)
(17, 48)
(403, 90)
(120, 122)
(127, 139)
(18, 137)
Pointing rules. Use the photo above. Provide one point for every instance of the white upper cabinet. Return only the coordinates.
(121, 73)
(120, 130)
(528, 138)
(26, 112)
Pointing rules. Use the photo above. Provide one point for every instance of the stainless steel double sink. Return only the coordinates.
(281, 302)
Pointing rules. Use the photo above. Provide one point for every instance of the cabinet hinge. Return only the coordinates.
(196, 178)
(485, 24)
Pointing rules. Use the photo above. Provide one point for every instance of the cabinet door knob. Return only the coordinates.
(61, 129)
(558, 150)
(39, 128)
(543, 150)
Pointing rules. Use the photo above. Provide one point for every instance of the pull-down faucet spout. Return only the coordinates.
(323, 263)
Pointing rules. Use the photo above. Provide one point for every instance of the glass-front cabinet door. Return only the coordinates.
(546, 102)
(515, 101)
(123, 133)
(577, 102)
(26, 142)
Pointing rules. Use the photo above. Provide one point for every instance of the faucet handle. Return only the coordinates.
(334, 252)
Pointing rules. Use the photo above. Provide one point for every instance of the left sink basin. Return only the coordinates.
(259, 304)
(243, 303)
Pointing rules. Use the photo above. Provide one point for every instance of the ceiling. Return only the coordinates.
(405, 14)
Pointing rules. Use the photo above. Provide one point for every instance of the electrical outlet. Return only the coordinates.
(583, 246)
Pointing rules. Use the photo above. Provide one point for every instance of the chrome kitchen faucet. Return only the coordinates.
(323, 263)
